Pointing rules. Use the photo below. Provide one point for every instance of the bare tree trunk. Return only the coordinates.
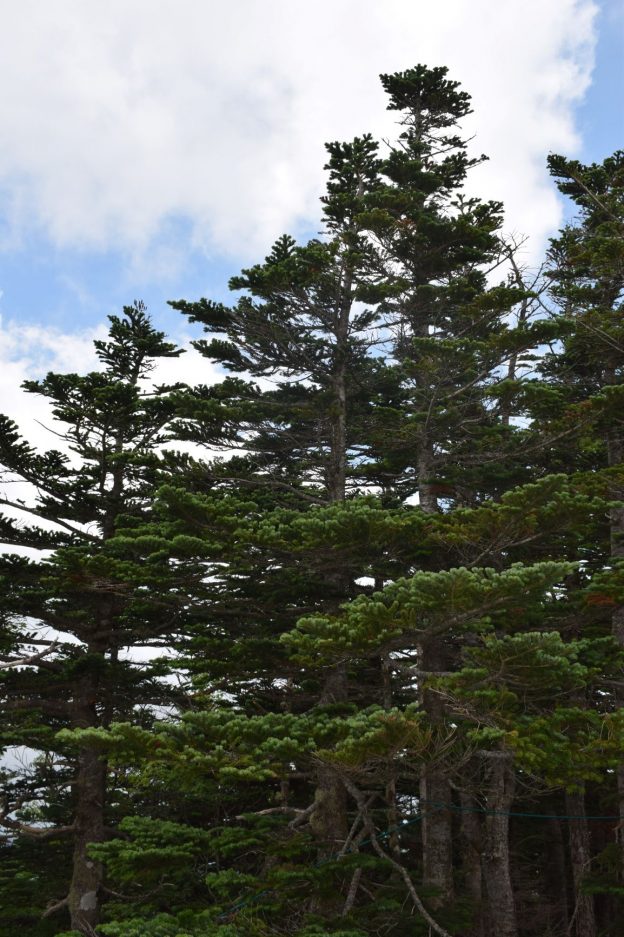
(394, 842)
(435, 788)
(329, 820)
(89, 789)
(426, 494)
(84, 890)
(557, 884)
(583, 922)
(471, 838)
(495, 859)
(435, 792)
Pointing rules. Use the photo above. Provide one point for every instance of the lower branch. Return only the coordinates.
(57, 906)
(370, 827)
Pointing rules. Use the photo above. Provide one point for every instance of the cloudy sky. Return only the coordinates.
(150, 148)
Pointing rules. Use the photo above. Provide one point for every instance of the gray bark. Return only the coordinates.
(435, 788)
(329, 820)
(435, 792)
(426, 494)
(472, 846)
(495, 859)
(89, 789)
(84, 891)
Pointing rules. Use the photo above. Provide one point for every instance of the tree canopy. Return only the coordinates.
(334, 645)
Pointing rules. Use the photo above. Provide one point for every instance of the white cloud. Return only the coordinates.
(29, 352)
(118, 118)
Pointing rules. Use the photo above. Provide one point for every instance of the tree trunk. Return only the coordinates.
(471, 839)
(583, 916)
(435, 789)
(329, 821)
(617, 625)
(426, 494)
(615, 449)
(89, 791)
(495, 860)
(392, 813)
(556, 877)
(84, 897)
(435, 793)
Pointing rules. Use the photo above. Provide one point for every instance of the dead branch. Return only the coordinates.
(56, 906)
(361, 802)
(32, 659)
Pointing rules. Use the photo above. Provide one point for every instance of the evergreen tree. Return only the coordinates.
(397, 598)
(75, 608)
(411, 396)
(585, 377)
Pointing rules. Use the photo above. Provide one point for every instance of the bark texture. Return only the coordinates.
(498, 778)
(583, 922)
(472, 845)
(435, 792)
(84, 890)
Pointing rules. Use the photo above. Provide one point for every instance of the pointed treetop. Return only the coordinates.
(134, 343)
(427, 93)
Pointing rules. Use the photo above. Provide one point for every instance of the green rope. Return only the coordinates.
(436, 805)
(515, 813)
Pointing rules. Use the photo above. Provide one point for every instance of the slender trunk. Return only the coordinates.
(337, 468)
(523, 314)
(329, 821)
(84, 898)
(583, 922)
(495, 859)
(435, 788)
(392, 814)
(426, 493)
(435, 792)
(472, 846)
(556, 877)
(89, 793)
(84, 890)
(615, 449)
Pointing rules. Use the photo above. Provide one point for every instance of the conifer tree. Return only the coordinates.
(72, 610)
(408, 396)
(399, 607)
(586, 271)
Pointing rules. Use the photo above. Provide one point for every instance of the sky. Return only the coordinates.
(151, 148)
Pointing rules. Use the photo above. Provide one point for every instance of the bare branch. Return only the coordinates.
(56, 906)
(33, 659)
(361, 802)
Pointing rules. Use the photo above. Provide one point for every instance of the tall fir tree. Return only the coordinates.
(409, 395)
(401, 630)
(75, 610)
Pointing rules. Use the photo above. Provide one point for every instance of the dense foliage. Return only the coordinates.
(353, 666)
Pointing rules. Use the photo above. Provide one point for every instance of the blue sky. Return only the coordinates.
(600, 114)
(152, 156)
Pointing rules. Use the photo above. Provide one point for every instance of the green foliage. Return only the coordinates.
(403, 570)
